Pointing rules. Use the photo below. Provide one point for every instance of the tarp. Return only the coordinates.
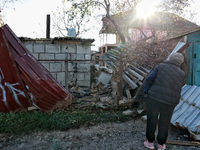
(23, 79)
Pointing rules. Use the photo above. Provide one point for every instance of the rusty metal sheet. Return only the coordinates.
(43, 89)
(13, 95)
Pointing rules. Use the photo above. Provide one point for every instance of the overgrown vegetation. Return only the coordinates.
(26, 122)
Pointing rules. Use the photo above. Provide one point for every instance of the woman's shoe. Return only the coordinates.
(161, 147)
(148, 144)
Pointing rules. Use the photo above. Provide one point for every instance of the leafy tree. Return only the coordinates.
(71, 17)
(81, 11)
(4, 4)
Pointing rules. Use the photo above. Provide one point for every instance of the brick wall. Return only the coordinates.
(52, 55)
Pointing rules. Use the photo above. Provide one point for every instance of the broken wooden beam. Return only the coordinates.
(184, 143)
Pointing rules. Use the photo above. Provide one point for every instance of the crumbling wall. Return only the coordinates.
(67, 61)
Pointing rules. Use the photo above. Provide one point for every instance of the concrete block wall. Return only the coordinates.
(53, 56)
(79, 71)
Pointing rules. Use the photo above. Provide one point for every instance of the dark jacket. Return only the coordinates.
(165, 82)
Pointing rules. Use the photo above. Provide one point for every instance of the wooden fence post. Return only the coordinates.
(120, 84)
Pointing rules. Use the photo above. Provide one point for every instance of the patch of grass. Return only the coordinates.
(25, 122)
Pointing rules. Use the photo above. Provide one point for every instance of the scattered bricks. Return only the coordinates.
(84, 83)
(103, 99)
(128, 112)
(53, 48)
(128, 93)
(55, 67)
(110, 101)
(38, 48)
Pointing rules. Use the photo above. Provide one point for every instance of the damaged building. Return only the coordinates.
(67, 59)
(180, 35)
(39, 69)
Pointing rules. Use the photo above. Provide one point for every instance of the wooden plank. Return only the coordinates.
(185, 143)
(129, 81)
(135, 74)
(128, 93)
(138, 70)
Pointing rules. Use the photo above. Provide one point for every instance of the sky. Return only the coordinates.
(27, 18)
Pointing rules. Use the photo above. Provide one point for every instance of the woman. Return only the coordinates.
(163, 88)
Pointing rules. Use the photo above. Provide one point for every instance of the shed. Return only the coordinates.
(193, 53)
(66, 58)
(186, 113)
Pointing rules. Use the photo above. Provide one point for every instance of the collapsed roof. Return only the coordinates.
(158, 21)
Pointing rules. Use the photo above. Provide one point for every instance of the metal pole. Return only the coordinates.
(48, 27)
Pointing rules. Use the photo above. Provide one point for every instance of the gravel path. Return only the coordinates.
(106, 136)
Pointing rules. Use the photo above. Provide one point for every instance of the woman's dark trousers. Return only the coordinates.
(155, 109)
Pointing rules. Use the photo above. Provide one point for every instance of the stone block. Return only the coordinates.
(60, 56)
(61, 78)
(72, 67)
(84, 49)
(72, 56)
(83, 67)
(46, 56)
(55, 67)
(80, 49)
(54, 74)
(88, 49)
(36, 55)
(38, 48)
(80, 76)
(70, 48)
(87, 57)
(87, 75)
(63, 66)
(71, 75)
(29, 46)
(80, 56)
(53, 48)
(46, 65)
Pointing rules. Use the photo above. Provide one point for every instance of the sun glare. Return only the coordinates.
(146, 8)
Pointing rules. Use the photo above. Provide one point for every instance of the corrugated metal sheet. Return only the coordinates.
(13, 95)
(20, 68)
(187, 112)
(134, 74)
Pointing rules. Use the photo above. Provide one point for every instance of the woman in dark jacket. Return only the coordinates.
(163, 88)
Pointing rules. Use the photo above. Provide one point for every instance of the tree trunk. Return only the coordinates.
(121, 35)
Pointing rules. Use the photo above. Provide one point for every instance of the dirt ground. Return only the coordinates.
(106, 136)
